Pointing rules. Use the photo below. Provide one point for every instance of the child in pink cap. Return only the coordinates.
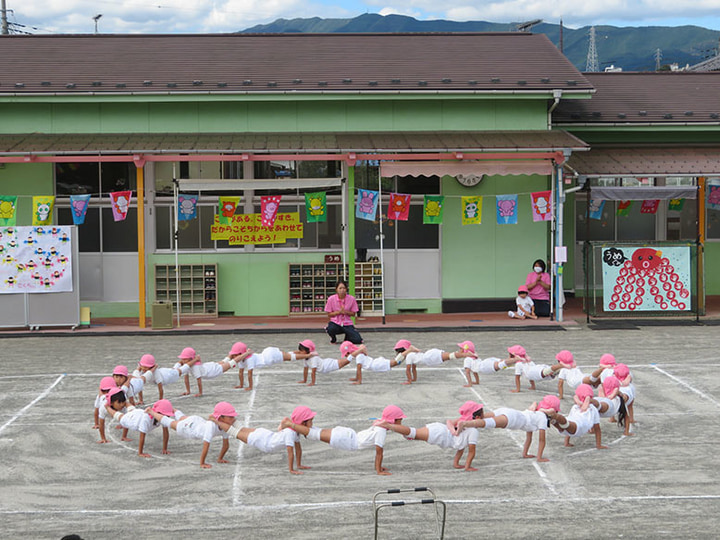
(525, 305)
(530, 420)
(204, 370)
(131, 385)
(533, 372)
(446, 435)
(198, 428)
(581, 419)
(474, 365)
(268, 357)
(164, 376)
(314, 364)
(135, 419)
(570, 373)
(405, 351)
(363, 361)
(345, 438)
(627, 390)
(106, 384)
(605, 369)
(612, 403)
(145, 372)
(271, 442)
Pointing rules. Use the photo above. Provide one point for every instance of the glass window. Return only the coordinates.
(420, 185)
(594, 229)
(682, 224)
(77, 178)
(118, 177)
(318, 169)
(414, 234)
(88, 232)
(635, 225)
(119, 236)
(163, 227)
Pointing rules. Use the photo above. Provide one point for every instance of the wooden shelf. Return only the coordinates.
(198, 288)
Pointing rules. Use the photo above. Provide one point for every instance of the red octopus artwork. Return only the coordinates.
(648, 268)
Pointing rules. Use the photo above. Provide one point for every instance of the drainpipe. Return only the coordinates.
(557, 95)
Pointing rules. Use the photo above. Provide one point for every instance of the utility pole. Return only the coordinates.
(658, 57)
(5, 30)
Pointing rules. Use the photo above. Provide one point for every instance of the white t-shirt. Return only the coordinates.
(148, 376)
(166, 375)
(478, 365)
(373, 436)
(138, 420)
(210, 370)
(195, 427)
(465, 438)
(272, 441)
(516, 419)
(535, 420)
(100, 401)
(373, 364)
(323, 365)
(613, 406)
(439, 435)
(432, 357)
(583, 420)
(268, 357)
(133, 387)
(525, 303)
(521, 367)
(629, 391)
(572, 376)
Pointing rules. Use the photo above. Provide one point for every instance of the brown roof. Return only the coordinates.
(253, 63)
(666, 161)
(508, 141)
(629, 98)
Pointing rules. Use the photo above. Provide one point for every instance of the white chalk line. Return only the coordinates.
(33, 402)
(343, 504)
(686, 385)
(237, 492)
(543, 476)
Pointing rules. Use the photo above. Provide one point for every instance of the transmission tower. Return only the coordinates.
(592, 56)
(658, 57)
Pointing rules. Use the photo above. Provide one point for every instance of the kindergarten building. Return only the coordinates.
(498, 140)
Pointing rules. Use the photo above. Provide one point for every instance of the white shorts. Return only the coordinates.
(378, 364)
(413, 358)
(534, 372)
(343, 438)
(432, 357)
(439, 435)
(166, 376)
(516, 419)
(211, 370)
(486, 366)
(268, 357)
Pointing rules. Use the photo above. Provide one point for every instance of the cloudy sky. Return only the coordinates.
(183, 16)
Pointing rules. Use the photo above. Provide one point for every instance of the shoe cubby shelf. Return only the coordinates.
(312, 284)
(197, 284)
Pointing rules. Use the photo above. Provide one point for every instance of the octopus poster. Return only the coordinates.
(646, 278)
(35, 259)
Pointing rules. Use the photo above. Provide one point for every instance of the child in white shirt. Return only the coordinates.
(525, 305)
(314, 364)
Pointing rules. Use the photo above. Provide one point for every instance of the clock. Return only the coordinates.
(469, 180)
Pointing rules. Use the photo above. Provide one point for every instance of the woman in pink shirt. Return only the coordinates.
(340, 307)
(538, 284)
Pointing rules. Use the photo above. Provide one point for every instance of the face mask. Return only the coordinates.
(538, 269)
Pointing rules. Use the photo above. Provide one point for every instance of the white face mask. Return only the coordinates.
(538, 269)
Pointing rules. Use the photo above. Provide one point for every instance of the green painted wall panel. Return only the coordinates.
(173, 117)
(67, 118)
(316, 116)
(458, 115)
(120, 118)
(273, 117)
(417, 116)
(26, 180)
(26, 118)
(712, 264)
(223, 117)
(370, 116)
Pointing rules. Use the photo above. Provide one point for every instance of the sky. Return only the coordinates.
(214, 16)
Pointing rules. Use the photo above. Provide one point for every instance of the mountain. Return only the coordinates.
(632, 48)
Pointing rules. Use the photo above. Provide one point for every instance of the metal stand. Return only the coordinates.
(439, 518)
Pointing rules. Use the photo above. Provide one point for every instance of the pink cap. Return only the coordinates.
(621, 371)
(391, 413)
(565, 358)
(164, 407)
(147, 360)
(120, 370)
(111, 393)
(610, 383)
(187, 353)
(224, 409)
(468, 347)
(238, 348)
(523, 288)
(301, 414)
(607, 360)
(584, 391)
(308, 344)
(107, 383)
(347, 347)
(469, 408)
(518, 350)
(550, 402)
(403, 344)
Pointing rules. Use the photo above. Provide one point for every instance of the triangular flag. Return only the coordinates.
(399, 206)
(8, 207)
(472, 210)
(187, 207)
(676, 205)
(78, 206)
(623, 208)
(433, 209)
(714, 197)
(269, 206)
(227, 209)
(42, 209)
(541, 205)
(649, 206)
(367, 203)
(596, 209)
(507, 211)
(316, 207)
(120, 204)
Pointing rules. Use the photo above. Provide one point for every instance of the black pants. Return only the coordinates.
(351, 334)
(542, 308)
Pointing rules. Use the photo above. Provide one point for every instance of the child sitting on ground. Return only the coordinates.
(525, 305)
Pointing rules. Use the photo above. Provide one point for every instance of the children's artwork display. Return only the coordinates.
(35, 259)
(646, 278)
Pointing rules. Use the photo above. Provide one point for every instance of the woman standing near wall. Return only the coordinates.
(538, 284)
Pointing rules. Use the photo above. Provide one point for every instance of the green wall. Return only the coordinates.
(491, 260)
(26, 180)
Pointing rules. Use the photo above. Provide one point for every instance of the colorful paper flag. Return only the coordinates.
(541, 205)
(649, 206)
(676, 205)
(623, 208)
(227, 209)
(596, 209)
(269, 206)
(472, 210)
(399, 206)
(42, 209)
(714, 197)
(433, 209)
(78, 206)
(187, 207)
(506, 207)
(8, 207)
(367, 203)
(316, 207)
(120, 204)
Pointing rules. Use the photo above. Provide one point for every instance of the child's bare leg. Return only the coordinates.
(141, 399)
(470, 457)
(241, 372)
(532, 385)
(567, 442)
(456, 461)
(124, 436)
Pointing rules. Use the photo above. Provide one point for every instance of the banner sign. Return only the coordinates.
(248, 229)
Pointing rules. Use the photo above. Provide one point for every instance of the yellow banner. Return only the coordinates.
(248, 229)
